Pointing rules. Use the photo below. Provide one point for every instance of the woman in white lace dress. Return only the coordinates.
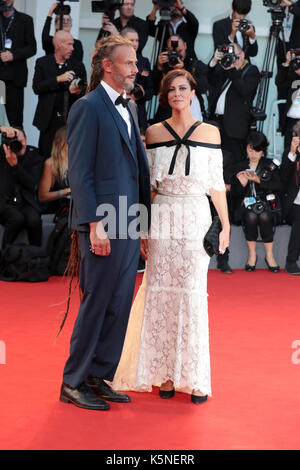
(167, 339)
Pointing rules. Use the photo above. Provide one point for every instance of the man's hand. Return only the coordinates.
(100, 244)
(11, 157)
(162, 59)
(216, 58)
(108, 26)
(74, 90)
(179, 65)
(250, 31)
(6, 56)
(286, 3)
(294, 145)
(52, 8)
(66, 77)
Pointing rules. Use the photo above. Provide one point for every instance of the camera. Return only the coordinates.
(62, 9)
(255, 204)
(272, 3)
(173, 55)
(165, 8)
(244, 25)
(78, 83)
(12, 142)
(4, 7)
(229, 56)
(140, 80)
(106, 6)
(295, 62)
(265, 173)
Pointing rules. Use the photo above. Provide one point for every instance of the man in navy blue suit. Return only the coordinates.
(108, 171)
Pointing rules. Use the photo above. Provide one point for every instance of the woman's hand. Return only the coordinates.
(252, 176)
(144, 248)
(241, 176)
(224, 239)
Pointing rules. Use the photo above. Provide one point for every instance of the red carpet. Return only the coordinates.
(254, 320)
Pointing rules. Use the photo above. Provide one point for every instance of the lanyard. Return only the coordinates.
(8, 27)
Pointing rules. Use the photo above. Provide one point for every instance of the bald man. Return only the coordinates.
(53, 82)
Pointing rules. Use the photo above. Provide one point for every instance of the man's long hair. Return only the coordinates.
(104, 49)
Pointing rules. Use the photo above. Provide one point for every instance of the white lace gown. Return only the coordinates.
(168, 332)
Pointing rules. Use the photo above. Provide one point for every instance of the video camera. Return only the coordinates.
(107, 6)
(272, 3)
(229, 56)
(62, 9)
(165, 8)
(4, 7)
(173, 55)
(295, 59)
(12, 142)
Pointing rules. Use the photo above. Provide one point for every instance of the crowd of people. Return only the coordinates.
(260, 194)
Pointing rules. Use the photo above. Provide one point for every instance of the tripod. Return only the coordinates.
(259, 110)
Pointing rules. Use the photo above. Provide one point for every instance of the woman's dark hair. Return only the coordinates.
(258, 141)
(168, 79)
(242, 6)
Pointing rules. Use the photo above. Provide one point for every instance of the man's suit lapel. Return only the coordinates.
(117, 118)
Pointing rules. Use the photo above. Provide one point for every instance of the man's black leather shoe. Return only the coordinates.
(292, 268)
(83, 397)
(103, 390)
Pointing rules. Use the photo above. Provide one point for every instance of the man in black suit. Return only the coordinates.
(290, 176)
(53, 83)
(127, 19)
(227, 30)
(288, 81)
(20, 173)
(291, 31)
(18, 44)
(182, 23)
(232, 90)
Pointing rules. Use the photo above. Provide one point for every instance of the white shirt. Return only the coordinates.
(113, 94)
(287, 24)
(293, 159)
(175, 25)
(220, 106)
(294, 111)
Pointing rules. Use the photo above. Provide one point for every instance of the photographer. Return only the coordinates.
(21, 167)
(18, 44)
(55, 82)
(143, 89)
(236, 28)
(288, 79)
(175, 57)
(233, 83)
(291, 32)
(47, 40)
(290, 176)
(182, 23)
(127, 19)
(255, 189)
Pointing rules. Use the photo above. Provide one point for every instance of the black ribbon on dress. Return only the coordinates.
(179, 142)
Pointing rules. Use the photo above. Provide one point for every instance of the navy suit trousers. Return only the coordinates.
(108, 285)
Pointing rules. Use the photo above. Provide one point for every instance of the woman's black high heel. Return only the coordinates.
(249, 268)
(272, 269)
(166, 393)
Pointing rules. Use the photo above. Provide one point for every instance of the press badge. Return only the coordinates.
(8, 43)
(248, 201)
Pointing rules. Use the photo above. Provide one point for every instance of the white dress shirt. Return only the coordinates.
(113, 94)
(293, 159)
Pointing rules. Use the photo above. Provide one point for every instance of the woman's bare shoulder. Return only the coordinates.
(154, 133)
(209, 133)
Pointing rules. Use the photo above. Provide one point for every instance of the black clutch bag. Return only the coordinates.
(211, 238)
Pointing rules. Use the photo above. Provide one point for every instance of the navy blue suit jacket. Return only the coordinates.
(102, 166)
